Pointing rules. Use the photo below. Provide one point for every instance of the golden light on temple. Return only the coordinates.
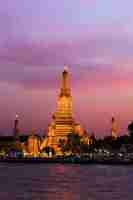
(33, 145)
(114, 128)
(62, 123)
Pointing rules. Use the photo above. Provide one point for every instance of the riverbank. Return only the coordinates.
(72, 160)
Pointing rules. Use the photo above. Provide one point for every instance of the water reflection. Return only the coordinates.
(65, 182)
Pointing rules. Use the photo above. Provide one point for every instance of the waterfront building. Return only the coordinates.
(62, 120)
(79, 130)
(32, 147)
(85, 139)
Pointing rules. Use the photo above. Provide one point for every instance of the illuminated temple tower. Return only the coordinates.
(113, 128)
(63, 122)
(63, 116)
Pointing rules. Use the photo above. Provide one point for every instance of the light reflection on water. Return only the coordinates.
(65, 182)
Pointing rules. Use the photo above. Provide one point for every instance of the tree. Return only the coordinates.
(48, 149)
(74, 141)
(84, 148)
(130, 129)
(72, 144)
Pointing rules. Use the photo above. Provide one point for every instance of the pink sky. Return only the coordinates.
(94, 39)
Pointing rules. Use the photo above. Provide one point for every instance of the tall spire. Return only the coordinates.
(113, 127)
(63, 123)
(66, 68)
(65, 88)
(16, 128)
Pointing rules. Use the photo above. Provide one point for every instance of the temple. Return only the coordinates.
(63, 122)
(114, 128)
(16, 128)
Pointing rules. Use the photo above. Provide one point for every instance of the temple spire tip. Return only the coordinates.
(16, 116)
(66, 68)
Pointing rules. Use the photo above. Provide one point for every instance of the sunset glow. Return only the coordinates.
(93, 38)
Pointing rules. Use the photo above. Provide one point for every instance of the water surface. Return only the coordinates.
(65, 182)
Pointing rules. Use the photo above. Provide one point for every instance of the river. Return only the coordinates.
(65, 182)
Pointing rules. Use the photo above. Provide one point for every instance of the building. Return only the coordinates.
(79, 130)
(16, 128)
(32, 146)
(16, 134)
(62, 120)
(114, 128)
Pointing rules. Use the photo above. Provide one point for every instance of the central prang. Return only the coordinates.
(62, 124)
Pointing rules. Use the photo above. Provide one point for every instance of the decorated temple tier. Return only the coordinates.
(62, 123)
